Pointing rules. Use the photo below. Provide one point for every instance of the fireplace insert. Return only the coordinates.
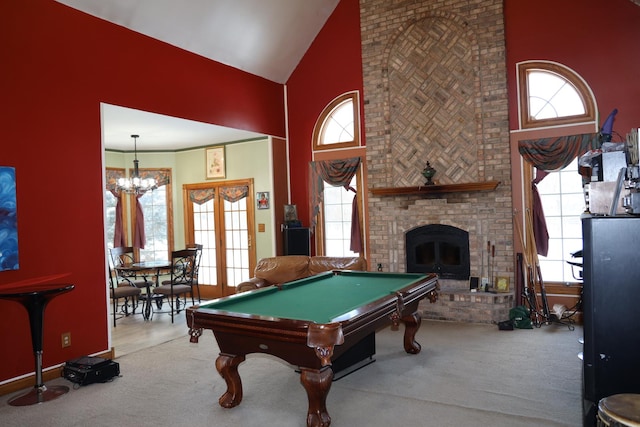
(438, 248)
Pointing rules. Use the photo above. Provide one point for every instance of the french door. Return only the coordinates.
(220, 217)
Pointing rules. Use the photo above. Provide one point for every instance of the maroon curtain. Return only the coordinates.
(162, 177)
(118, 232)
(356, 232)
(337, 173)
(112, 176)
(139, 238)
(540, 231)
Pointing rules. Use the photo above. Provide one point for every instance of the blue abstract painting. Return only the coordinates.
(8, 220)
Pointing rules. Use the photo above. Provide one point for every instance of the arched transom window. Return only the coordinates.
(337, 126)
(551, 94)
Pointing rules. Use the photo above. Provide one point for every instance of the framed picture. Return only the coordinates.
(502, 284)
(474, 282)
(263, 199)
(290, 213)
(215, 162)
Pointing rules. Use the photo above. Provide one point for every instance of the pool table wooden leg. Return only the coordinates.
(317, 384)
(227, 366)
(411, 323)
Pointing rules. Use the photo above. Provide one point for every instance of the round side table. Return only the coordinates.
(619, 410)
(34, 298)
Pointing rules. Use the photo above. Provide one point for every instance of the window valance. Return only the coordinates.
(551, 154)
(202, 196)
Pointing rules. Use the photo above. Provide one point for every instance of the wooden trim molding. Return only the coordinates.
(437, 189)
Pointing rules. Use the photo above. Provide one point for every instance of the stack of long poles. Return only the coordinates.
(531, 239)
(529, 271)
(534, 274)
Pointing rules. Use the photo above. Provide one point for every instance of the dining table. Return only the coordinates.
(147, 268)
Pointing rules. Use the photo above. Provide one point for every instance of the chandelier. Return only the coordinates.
(135, 184)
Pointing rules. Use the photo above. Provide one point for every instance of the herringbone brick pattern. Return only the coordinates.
(433, 90)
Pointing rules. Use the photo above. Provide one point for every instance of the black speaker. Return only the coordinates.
(611, 292)
(297, 241)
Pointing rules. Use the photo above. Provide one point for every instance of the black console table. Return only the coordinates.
(34, 298)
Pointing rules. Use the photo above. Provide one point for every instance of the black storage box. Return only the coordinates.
(88, 370)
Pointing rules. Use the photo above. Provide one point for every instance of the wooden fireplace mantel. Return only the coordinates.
(437, 188)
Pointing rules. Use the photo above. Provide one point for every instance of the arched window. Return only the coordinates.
(336, 138)
(551, 94)
(338, 125)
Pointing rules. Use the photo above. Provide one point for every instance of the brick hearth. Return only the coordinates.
(456, 302)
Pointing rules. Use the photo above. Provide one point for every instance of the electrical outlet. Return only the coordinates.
(66, 339)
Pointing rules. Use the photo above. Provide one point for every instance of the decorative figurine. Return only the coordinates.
(428, 172)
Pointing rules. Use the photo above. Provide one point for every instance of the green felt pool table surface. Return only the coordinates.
(321, 298)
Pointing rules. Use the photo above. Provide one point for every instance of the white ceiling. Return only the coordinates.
(267, 38)
(159, 133)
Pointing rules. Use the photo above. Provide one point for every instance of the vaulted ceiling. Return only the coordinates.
(267, 38)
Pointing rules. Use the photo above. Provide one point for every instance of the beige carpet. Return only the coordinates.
(466, 375)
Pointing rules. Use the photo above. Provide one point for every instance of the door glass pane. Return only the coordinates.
(204, 229)
(236, 241)
(110, 202)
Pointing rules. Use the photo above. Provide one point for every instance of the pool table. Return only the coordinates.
(309, 323)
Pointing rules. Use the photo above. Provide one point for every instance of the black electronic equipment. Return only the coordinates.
(610, 306)
(88, 370)
(297, 241)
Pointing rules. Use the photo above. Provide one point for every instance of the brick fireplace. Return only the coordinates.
(435, 90)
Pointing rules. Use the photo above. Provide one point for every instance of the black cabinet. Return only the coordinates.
(297, 241)
(611, 304)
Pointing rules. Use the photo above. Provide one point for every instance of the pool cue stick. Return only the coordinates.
(493, 263)
(489, 272)
(543, 291)
(529, 291)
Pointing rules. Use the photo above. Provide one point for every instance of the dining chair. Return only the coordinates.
(124, 255)
(196, 282)
(122, 290)
(183, 264)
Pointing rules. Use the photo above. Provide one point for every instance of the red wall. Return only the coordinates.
(598, 39)
(331, 67)
(58, 64)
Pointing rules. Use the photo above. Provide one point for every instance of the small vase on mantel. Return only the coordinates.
(428, 172)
